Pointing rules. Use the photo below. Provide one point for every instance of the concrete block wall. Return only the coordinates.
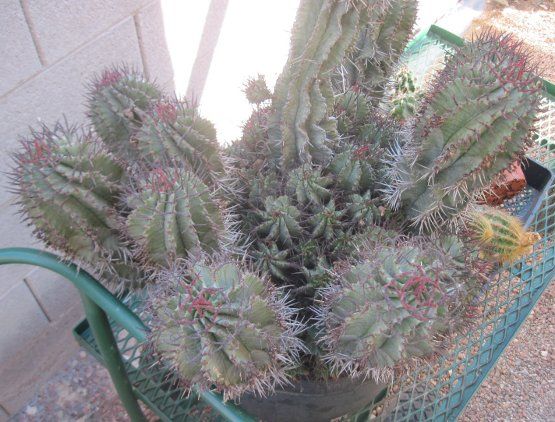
(48, 51)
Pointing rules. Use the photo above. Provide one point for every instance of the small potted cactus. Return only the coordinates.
(295, 270)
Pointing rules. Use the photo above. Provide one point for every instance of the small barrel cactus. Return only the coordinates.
(256, 90)
(174, 216)
(69, 187)
(405, 97)
(386, 307)
(118, 99)
(474, 123)
(499, 236)
(221, 326)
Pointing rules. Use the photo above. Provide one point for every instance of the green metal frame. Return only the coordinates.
(115, 333)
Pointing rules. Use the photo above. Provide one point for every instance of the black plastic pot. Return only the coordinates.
(540, 178)
(313, 401)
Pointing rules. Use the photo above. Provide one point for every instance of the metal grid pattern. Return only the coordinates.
(436, 389)
(153, 383)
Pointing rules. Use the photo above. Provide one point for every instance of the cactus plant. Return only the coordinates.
(405, 97)
(324, 185)
(256, 90)
(473, 124)
(380, 43)
(225, 327)
(499, 236)
(118, 99)
(69, 187)
(386, 307)
(301, 129)
(174, 130)
(174, 216)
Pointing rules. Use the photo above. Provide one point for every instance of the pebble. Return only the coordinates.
(543, 353)
(31, 410)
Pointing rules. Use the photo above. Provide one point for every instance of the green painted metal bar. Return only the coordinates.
(84, 282)
(93, 291)
(108, 347)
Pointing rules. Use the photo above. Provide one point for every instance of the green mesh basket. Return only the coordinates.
(439, 388)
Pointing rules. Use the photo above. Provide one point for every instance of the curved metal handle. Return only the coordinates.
(99, 302)
(85, 283)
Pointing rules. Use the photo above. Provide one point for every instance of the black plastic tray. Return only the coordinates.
(526, 204)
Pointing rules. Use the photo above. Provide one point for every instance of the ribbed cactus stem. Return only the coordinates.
(385, 308)
(303, 97)
(499, 235)
(173, 130)
(69, 188)
(175, 216)
(474, 123)
(225, 327)
(372, 61)
(118, 97)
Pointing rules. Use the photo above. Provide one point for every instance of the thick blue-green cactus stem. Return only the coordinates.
(372, 61)
(175, 215)
(173, 130)
(69, 186)
(303, 98)
(117, 100)
(279, 221)
(222, 326)
(474, 123)
(387, 307)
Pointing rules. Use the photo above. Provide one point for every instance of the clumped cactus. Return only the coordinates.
(499, 236)
(118, 100)
(174, 216)
(317, 198)
(387, 307)
(222, 326)
(473, 124)
(69, 187)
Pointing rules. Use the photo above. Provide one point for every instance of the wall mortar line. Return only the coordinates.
(38, 48)
(68, 55)
(35, 296)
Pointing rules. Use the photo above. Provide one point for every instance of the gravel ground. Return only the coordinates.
(521, 387)
(81, 391)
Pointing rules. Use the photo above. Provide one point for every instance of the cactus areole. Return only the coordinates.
(338, 239)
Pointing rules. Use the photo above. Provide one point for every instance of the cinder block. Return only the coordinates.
(53, 292)
(13, 233)
(64, 25)
(21, 320)
(37, 361)
(60, 90)
(18, 56)
(150, 27)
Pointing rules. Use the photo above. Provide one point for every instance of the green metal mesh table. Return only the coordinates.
(435, 389)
